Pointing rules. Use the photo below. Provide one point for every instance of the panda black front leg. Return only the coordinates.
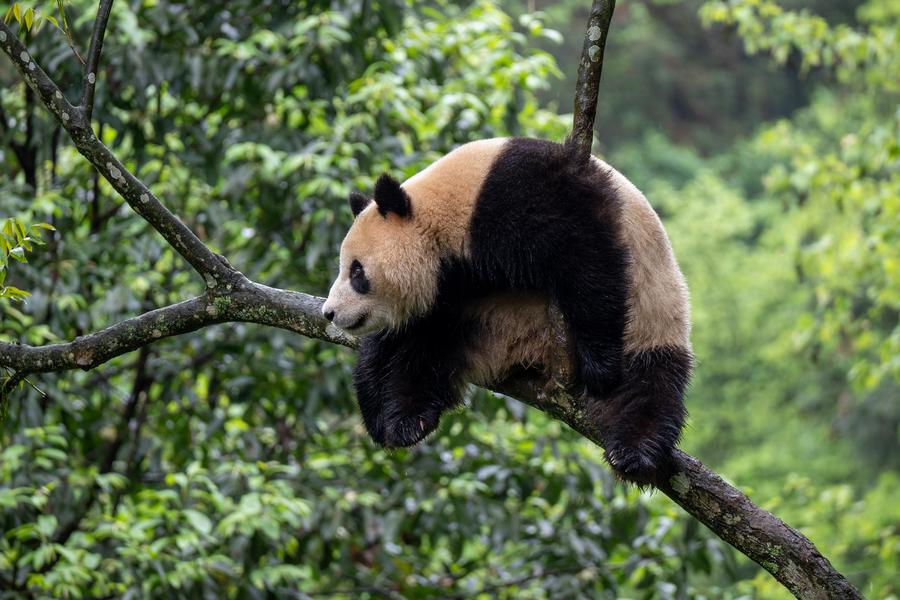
(402, 388)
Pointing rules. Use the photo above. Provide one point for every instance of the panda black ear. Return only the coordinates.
(358, 202)
(391, 198)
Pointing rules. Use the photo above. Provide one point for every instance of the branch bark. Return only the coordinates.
(788, 555)
(93, 60)
(588, 84)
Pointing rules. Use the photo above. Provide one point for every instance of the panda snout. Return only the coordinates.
(328, 314)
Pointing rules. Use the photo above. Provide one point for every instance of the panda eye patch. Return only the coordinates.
(358, 280)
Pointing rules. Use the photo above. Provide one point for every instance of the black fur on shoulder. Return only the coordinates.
(642, 420)
(391, 198)
(405, 380)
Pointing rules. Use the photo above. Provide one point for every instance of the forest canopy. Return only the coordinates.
(232, 462)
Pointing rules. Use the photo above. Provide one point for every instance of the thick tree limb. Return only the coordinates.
(93, 60)
(784, 552)
(589, 69)
(246, 302)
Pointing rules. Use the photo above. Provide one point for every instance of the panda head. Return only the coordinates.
(388, 264)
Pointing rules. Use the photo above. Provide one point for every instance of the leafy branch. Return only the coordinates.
(229, 296)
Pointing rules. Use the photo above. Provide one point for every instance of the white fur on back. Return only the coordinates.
(658, 301)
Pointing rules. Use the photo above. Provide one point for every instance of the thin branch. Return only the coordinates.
(67, 31)
(215, 270)
(93, 60)
(589, 76)
(12, 380)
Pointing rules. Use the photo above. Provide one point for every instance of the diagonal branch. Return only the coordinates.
(93, 60)
(215, 269)
(586, 89)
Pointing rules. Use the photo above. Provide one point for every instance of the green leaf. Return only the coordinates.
(14, 293)
(29, 18)
(198, 521)
(18, 253)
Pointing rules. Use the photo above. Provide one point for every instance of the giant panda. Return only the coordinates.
(450, 277)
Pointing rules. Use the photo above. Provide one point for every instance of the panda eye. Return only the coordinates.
(358, 280)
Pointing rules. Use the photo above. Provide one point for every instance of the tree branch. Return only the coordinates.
(215, 269)
(246, 302)
(784, 552)
(93, 60)
(589, 69)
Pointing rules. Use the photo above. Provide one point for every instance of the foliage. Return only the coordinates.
(16, 239)
(232, 462)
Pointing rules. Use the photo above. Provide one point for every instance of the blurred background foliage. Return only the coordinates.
(231, 462)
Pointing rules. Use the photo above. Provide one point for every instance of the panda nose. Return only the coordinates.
(329, 314)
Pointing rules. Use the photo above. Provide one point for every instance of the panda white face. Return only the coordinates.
(388, 267)
(353, 303)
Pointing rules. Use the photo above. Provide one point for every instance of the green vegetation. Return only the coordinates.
(231, 462)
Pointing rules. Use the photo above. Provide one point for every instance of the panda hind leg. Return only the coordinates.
(593, 306)
(641, 421)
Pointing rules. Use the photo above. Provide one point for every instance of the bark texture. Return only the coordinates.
(589, 69)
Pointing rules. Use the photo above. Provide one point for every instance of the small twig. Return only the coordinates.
(589, 69)
(67, 31)
(93, 60)
(14, 379)
(34, 387)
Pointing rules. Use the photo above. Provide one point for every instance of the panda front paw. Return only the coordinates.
(404, 430)
(374, 422)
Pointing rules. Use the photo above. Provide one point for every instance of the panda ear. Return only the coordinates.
(358, 202)
(391, 198)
